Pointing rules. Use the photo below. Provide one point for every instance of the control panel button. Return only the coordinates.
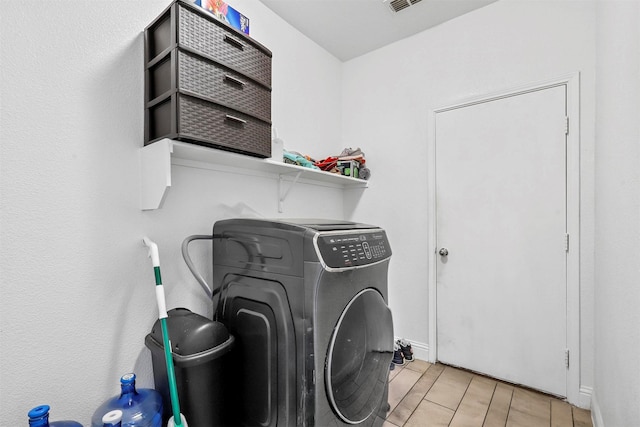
(367, 250)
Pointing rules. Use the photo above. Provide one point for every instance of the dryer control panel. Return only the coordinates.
(356, 249)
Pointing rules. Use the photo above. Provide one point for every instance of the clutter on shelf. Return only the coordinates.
(350, 162)
(295, 158)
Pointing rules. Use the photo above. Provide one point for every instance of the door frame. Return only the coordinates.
(572, 83)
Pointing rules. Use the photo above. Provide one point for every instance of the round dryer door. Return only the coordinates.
(358, 358)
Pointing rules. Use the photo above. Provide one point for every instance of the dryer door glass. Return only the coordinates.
(358, 358)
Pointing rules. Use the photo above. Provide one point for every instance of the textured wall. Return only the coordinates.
(387, 97)
(76, 287)
(617, 308)
(76, 297)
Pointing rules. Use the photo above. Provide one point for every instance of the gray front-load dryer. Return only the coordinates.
(306, 301)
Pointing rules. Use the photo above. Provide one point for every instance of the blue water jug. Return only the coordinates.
(140, 408)
(39, 417)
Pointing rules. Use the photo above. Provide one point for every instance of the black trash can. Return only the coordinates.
(200, 348)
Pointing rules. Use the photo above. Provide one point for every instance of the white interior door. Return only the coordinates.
(501, 215)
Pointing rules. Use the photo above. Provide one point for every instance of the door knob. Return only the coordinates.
(443, 252)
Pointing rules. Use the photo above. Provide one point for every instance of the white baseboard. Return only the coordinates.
(596, 415)
(585, 397)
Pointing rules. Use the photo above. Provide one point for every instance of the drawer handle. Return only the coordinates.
(233, 42)
(234, 80)
(235, 119)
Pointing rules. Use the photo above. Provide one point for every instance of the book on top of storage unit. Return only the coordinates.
(225, 13)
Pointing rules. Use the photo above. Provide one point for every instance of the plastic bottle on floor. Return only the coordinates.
(39, 417)
(140, 408)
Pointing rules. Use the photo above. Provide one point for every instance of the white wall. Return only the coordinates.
(388, 93)
(76, 297)
(77, 290)
(617, 311)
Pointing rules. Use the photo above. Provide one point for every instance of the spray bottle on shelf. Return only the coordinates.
(277, 147)
(39, 417)
(140, 408)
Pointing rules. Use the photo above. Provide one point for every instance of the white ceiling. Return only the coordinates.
(350, 28)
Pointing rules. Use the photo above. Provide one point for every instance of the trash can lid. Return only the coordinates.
(189, 332)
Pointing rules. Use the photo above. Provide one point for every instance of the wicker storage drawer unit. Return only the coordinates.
(201, 77)
(206, 83)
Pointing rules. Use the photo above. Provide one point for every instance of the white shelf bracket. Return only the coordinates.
(283, 196)
(155, 170)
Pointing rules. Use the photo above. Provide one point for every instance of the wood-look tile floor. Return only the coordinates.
(423, 394)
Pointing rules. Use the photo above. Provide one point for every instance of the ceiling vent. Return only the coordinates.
(398, 5)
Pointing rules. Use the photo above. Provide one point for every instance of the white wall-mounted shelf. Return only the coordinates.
(156, 160)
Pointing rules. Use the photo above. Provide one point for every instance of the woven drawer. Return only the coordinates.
(186, 25)
(190, 72)
(187, 118)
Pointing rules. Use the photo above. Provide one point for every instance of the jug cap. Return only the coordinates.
(39, 412)
(112, 417)
(127, 379)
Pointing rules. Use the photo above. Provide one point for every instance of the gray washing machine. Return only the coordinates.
(306, 301)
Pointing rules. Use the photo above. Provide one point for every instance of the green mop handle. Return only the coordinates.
(162, 315)
(171, 374)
